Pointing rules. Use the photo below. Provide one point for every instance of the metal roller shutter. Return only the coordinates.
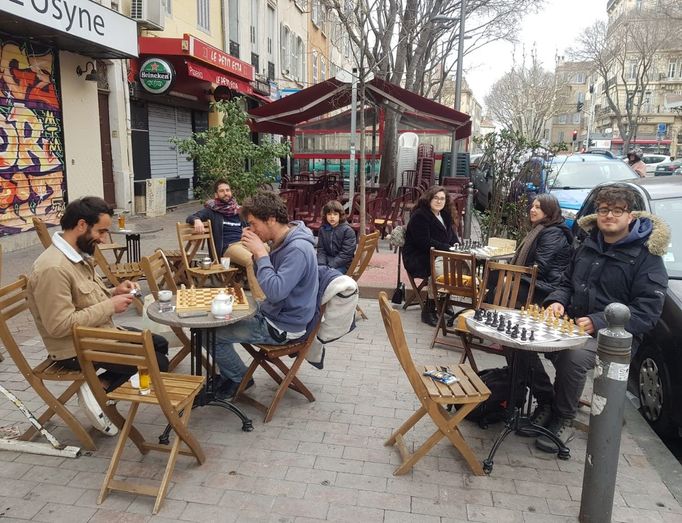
(167, 122)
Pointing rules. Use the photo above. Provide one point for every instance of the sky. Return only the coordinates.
(553, 30)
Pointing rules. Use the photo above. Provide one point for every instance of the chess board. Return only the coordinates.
(200, 299)
(542, 333)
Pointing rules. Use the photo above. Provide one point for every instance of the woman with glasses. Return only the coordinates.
(431, 225)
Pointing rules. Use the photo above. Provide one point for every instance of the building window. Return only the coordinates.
(301, 5)
(204, 15)
(271, 30)
(581, 97)
(314, 64)
(300, 46)
(255, 62)
(315, 13)
(672, 68)
(323, 69)
(285, 55)
(169, 6)
(580, 78)
(271, 71)
(233, 27)
(562, 118)
(576, 117)
(254, 26)
(632, 69)
(561, 136)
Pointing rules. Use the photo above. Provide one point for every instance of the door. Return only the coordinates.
(165, 123)
(105, 144)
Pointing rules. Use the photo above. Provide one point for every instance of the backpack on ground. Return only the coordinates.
(494, 409)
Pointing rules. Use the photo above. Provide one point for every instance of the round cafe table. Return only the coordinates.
(518, 418)
(203, 335)
(133, 231)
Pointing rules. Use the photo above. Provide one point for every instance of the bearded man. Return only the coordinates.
(64, 290)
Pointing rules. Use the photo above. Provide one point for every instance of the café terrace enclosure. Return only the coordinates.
(300, 115)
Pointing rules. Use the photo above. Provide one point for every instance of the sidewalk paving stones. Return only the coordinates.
(320, 461)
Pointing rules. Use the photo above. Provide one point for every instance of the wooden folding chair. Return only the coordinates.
(173, 393)
(363, 254)
(42, 232)
(159, 276)
(14, 301)
(115, 273)
(456, 286)
(506, 295)
(417, 290)
(269, 357)
(190, 242)
(466, 393)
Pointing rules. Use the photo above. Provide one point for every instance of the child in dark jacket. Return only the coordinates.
(336, 239)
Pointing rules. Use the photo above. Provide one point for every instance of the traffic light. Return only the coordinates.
(575, 135)
(579, 106)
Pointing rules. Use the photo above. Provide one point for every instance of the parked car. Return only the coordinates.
(656, 367)
(668, 168)
(569, 178)
(652, 162)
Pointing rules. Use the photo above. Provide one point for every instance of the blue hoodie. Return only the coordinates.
(289, 279)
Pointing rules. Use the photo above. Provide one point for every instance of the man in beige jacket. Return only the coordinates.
(64, 290)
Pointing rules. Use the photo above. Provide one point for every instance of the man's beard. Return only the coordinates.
(86, 243)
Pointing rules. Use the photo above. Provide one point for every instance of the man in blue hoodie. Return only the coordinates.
(619, 261)
(288, 276)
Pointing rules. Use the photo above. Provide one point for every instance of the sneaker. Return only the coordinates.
(228, 389)
(561, 428)
(99, 420)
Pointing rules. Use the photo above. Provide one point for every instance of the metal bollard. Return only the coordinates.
(468, 212)
(606, 418)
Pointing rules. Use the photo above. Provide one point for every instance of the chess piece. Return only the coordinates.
(488, 318)
(509, 327)
(495, 321)
(515, 332)
(523, 334)
(581, 330)
(532, 336)
(523, 311)
(501, 324)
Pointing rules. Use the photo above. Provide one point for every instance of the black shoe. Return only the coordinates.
(541, 416)
(228, 389)
(562, 428)
(429, 315)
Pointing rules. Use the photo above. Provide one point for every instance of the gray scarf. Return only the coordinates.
(527, 244)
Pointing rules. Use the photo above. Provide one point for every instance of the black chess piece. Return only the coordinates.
(478, 315)
(509, 327)
(488, 318)
(523, 334)
(532, 336)
(515, 332)
(501, 324)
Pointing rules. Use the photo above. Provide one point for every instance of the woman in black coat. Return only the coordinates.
(548, 245)
(430, 225)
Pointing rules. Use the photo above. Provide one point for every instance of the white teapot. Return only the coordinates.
(221, 306)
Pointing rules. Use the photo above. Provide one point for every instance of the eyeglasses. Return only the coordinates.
(439, 198)
(616, 211)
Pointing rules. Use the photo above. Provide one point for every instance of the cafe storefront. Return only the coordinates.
(51, 148)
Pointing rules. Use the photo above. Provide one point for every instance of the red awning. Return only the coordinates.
(282, 116)
(200, 61)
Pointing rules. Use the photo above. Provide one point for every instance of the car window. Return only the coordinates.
(585, 175)
(671, 211)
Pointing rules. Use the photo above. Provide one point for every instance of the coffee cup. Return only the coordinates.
(225, 262)
(165, 295)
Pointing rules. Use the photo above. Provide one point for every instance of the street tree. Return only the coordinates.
(525, 98)
(625, 55)
(400, 41)
(227, 151)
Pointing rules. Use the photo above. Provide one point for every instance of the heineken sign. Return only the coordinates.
(156, 75)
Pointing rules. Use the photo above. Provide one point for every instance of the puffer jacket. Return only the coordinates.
(336, 246)
(551, 253)
(630, 272)
(424, 231)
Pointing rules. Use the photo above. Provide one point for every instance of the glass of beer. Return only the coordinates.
(121, 221)
(145, 381)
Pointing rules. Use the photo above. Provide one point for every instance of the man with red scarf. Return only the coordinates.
(226, 227)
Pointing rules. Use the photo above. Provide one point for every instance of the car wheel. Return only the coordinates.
(655, 392)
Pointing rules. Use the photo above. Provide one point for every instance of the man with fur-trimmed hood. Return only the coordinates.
(619, 261)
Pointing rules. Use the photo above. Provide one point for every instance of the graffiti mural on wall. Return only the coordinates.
(31, 139)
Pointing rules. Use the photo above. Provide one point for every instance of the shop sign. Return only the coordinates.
(210, 75)
(261, 85)
(156, 75)
(81, 19)
(214, 56)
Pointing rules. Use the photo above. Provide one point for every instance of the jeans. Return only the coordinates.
(571, 373)
(250, 330)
